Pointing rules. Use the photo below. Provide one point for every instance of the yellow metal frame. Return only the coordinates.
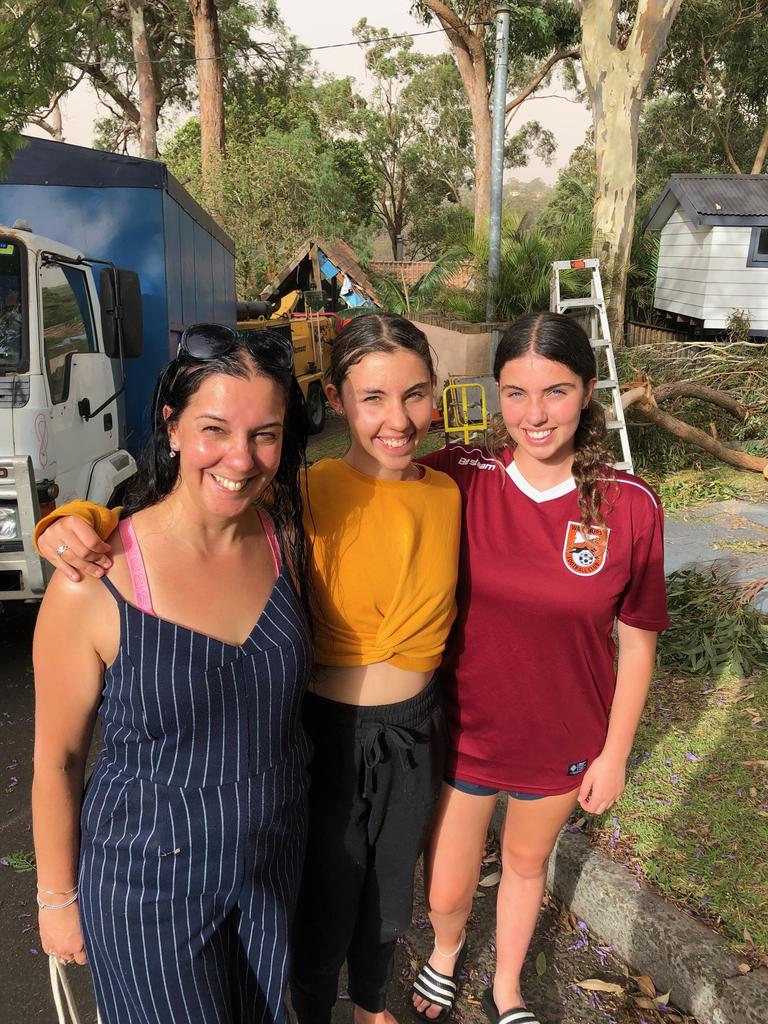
(456, 400)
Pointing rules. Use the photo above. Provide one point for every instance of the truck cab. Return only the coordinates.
(61, 419)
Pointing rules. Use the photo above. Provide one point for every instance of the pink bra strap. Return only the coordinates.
(274, 547)
(136, 568)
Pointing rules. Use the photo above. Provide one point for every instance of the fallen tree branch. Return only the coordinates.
(687, 389)
(694, 436)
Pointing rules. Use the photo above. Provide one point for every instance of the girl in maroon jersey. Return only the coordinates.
(556, 547)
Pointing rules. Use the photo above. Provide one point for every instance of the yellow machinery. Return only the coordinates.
(464, 409)
(311, 336)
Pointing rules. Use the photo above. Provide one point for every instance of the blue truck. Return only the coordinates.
(104, 260)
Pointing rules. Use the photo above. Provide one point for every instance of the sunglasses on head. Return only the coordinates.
(211, 341)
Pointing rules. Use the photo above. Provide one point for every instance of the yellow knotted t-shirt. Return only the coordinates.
(384, 565)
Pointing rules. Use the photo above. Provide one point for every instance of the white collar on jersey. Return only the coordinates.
(539, 496)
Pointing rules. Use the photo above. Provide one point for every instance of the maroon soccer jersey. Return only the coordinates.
(529, 668)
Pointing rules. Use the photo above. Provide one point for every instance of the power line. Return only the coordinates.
(304, 49)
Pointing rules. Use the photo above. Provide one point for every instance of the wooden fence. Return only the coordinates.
(645, 334)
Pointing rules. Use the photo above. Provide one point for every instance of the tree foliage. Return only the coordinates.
(31, 70)
(542, 37)
(283, 180)
(415, 130)
(713, 85)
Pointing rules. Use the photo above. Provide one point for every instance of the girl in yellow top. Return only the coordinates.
(385, 538)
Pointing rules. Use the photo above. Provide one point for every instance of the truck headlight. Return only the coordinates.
(10, 528)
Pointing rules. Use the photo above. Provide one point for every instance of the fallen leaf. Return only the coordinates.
(541, 963)
(745, 968)
(645, 1003)
(663, 1000)
(598, 985)
(748, 938)
(646, 986)
(493, 879)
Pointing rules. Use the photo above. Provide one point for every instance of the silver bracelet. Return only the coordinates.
(57, 892)
(56, 906)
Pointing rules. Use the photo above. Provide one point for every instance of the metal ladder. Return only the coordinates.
(600, 340)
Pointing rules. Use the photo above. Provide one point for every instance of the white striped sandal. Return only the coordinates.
(517, 1015)
(439, 989)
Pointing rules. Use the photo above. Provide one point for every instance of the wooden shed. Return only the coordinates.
(713, 256)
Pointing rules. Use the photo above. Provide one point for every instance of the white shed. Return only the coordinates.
(713, 257)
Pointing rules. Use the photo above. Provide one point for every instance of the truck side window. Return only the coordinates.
(67, 323)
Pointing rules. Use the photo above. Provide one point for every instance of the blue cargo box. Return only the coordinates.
(135, 213)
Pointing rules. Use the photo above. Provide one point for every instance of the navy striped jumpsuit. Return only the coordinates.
(193, 822)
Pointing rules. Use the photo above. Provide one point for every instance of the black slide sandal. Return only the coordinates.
(439, 989)
(517, 1015)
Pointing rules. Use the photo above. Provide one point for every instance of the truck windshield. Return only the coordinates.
(11, 313)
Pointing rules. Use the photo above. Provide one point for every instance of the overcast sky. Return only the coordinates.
(318, 24)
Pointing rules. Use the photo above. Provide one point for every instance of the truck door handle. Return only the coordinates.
(108, 421)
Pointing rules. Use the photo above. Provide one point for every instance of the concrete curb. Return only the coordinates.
(657, 938)
(653, 936)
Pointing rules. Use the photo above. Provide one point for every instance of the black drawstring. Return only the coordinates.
(375, 743)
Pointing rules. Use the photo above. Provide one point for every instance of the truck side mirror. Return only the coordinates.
(124, 307)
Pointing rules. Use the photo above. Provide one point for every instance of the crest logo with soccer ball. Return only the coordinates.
(585, 553)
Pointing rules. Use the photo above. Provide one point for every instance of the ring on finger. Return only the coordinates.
(61, 549)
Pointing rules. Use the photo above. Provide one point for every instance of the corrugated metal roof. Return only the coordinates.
(713, 199)
(726, 195)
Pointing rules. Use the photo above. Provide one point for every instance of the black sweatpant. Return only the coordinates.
(376, 774)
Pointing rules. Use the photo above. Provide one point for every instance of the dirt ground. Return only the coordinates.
(562, 952)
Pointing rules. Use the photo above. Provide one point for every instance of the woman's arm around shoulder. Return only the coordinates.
(73, 537)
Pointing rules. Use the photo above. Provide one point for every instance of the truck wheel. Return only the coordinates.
(315, 409)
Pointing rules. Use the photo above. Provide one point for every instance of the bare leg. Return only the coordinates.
(530, 830)
(364, 1017)
(452, 866)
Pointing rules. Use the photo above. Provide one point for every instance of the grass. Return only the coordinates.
(19, 861)
(694, 817)
(753, 547)
(692, 488)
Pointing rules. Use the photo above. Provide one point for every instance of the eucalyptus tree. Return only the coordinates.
(543, 36)
(621, 44)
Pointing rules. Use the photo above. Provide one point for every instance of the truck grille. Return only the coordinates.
(14, 392)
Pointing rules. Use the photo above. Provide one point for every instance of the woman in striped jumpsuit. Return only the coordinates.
(192, 828)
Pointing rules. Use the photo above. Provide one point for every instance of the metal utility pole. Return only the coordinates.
(497, 156)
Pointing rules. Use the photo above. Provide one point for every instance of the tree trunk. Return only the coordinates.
(145, 79)
(482, 130)
(616, 115)
(57, 129)
(468, 44)
(762, 152)
(205, 17)
(617, 68)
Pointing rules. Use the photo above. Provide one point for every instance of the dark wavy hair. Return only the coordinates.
(375, 332)
(562, 339)
(158, 473)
